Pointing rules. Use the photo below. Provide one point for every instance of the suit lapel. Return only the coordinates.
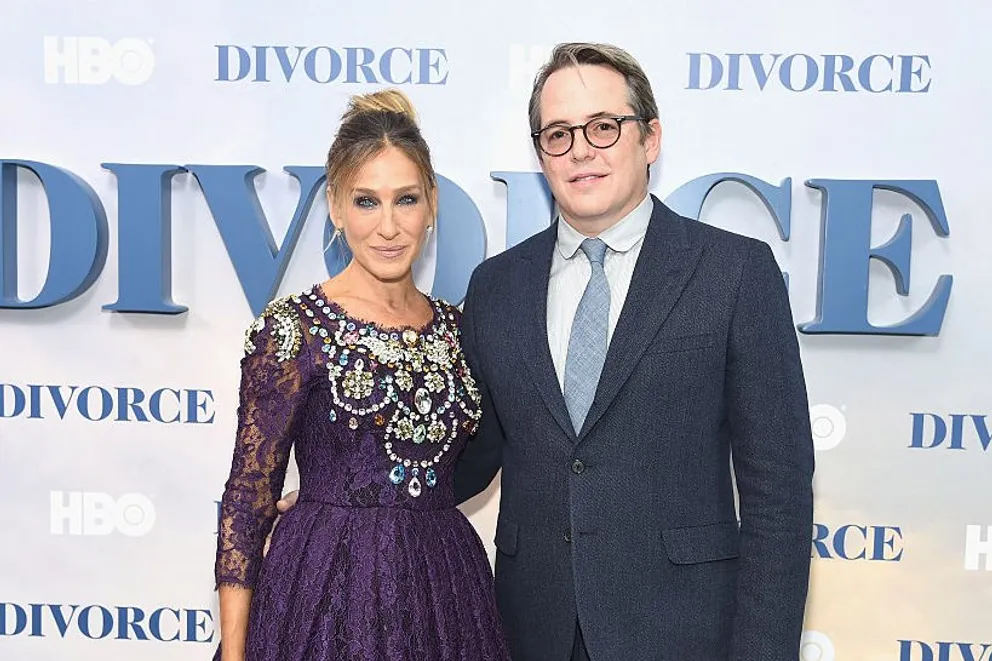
(664, 267)
(532, 283)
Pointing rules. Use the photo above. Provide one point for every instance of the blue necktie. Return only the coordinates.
(587, 343)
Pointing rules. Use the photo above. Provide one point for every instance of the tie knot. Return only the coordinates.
(595, 250)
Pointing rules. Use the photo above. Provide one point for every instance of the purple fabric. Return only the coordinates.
(360, 568)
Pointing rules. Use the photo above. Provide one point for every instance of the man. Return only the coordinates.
(624, 355)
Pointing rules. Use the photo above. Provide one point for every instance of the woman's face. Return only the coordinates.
(384, 214)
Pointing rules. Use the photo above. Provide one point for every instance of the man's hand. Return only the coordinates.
(286, 502)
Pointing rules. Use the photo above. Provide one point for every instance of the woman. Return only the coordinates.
(365, 376)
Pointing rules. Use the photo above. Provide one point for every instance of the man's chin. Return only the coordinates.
(584, 213)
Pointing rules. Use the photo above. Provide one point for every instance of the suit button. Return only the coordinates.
(578, 466)
(568, 535)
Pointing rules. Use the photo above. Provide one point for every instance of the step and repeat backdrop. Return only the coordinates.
(161, 180)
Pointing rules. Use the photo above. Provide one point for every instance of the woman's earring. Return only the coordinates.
(334, 236)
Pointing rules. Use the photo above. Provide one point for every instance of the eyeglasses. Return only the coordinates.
(601, 132)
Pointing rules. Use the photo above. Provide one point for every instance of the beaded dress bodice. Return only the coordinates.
(377, 417)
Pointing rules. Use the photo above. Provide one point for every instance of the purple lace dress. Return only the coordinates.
(375, 561)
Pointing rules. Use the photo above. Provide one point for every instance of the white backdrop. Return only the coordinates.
(109, 521)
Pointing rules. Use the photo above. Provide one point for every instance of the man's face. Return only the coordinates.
(595, 187)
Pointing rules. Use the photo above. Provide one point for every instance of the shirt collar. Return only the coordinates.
(621, 237)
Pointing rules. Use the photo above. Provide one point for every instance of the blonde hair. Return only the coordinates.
(388, 100)
(370, 124)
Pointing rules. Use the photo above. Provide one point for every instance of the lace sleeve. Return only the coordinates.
(272, 392)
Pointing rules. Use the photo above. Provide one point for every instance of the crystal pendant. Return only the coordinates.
(333, 415)
(431, 478)
(397, 474)
(419, 434)
(415, 488)
(423, 401)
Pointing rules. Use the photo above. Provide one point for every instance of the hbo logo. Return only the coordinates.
(94, 513)
(815, 646)
(94, 61)
(829, 426)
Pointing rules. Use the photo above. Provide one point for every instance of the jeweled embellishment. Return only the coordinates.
(434, 382)
(411, 386)
(419, 434)
(288, 331)
(436, 431)
(423, 401)
(404, 380)
(404, 429)
(438, 352)
(415, 489)
(388, 352)
(358, 383)
(256, 326)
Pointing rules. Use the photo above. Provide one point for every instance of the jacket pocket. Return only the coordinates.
(707, 543)
(681, 343)
(506, 537)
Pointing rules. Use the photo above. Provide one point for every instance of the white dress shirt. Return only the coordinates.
(570, 271)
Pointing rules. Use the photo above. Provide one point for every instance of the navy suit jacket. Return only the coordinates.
(631, 526)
